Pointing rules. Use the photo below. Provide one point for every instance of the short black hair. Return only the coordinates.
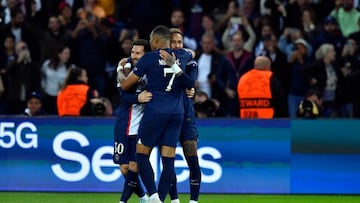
(142, 42)
(162, 31)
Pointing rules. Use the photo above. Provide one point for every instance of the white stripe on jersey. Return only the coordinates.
(136, 113)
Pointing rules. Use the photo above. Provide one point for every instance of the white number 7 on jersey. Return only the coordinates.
(166, 71)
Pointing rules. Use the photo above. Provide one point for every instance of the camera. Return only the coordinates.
(235, 20)
(98, 109)
(308, 110)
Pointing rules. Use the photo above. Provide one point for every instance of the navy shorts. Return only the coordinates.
(124, 150)
(160, 129)
(189, 130)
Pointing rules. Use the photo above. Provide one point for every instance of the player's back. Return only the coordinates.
(167, 91)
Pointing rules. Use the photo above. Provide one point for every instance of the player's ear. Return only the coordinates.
(155, 40)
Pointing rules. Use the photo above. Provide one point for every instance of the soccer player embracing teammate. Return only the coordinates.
(164, 113)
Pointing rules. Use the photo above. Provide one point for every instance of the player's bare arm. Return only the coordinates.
(127, 82)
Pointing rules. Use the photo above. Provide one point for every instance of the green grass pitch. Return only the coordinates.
(43, 197)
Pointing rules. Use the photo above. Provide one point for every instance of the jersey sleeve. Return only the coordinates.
(188, 54)
(142, 65)
(192, 69)
(129, 97)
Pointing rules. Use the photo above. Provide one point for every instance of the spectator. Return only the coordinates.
(293, 13)
(22, 32)
(66, 17)
(53, 74)
(287, 41)
(7, 56)
(347, 17)
(239, 24)
(239, 57)
(52, 39)
(323, 75)
(5, 16)
(279, 64)
(259, 46)
(216, 76)
(299, 60)
(88, 52)
(260, 93)
(309, 27)
(349, 64)
(330, 33)
(250, 8)
(34, 105)
(74, 99)
(208, 25)
(33, 12)
(232, 11)
(23, 76)
(178, 21)
(277, 14)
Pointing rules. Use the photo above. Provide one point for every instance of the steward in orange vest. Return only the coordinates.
(71, 99)
(74, 98)
(260, 93)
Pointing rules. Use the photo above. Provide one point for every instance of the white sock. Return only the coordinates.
(145, 197)
(175, 201)
(193, 201)
(155, 196)
(121, 202)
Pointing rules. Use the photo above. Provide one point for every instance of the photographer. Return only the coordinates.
(311, 106)
(97, 107)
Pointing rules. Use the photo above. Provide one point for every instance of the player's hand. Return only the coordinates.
(190, 92)
(169, 59)
(121, 64)
(144, 96)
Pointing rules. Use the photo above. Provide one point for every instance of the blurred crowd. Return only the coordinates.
(313, 46)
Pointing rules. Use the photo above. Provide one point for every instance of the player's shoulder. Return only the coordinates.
(182, 52)
(149, 57)
(152, 54)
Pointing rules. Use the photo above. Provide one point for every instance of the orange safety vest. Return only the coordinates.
(255, 94)
(71, 99)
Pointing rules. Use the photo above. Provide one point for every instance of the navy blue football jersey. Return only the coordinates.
(166, 89)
